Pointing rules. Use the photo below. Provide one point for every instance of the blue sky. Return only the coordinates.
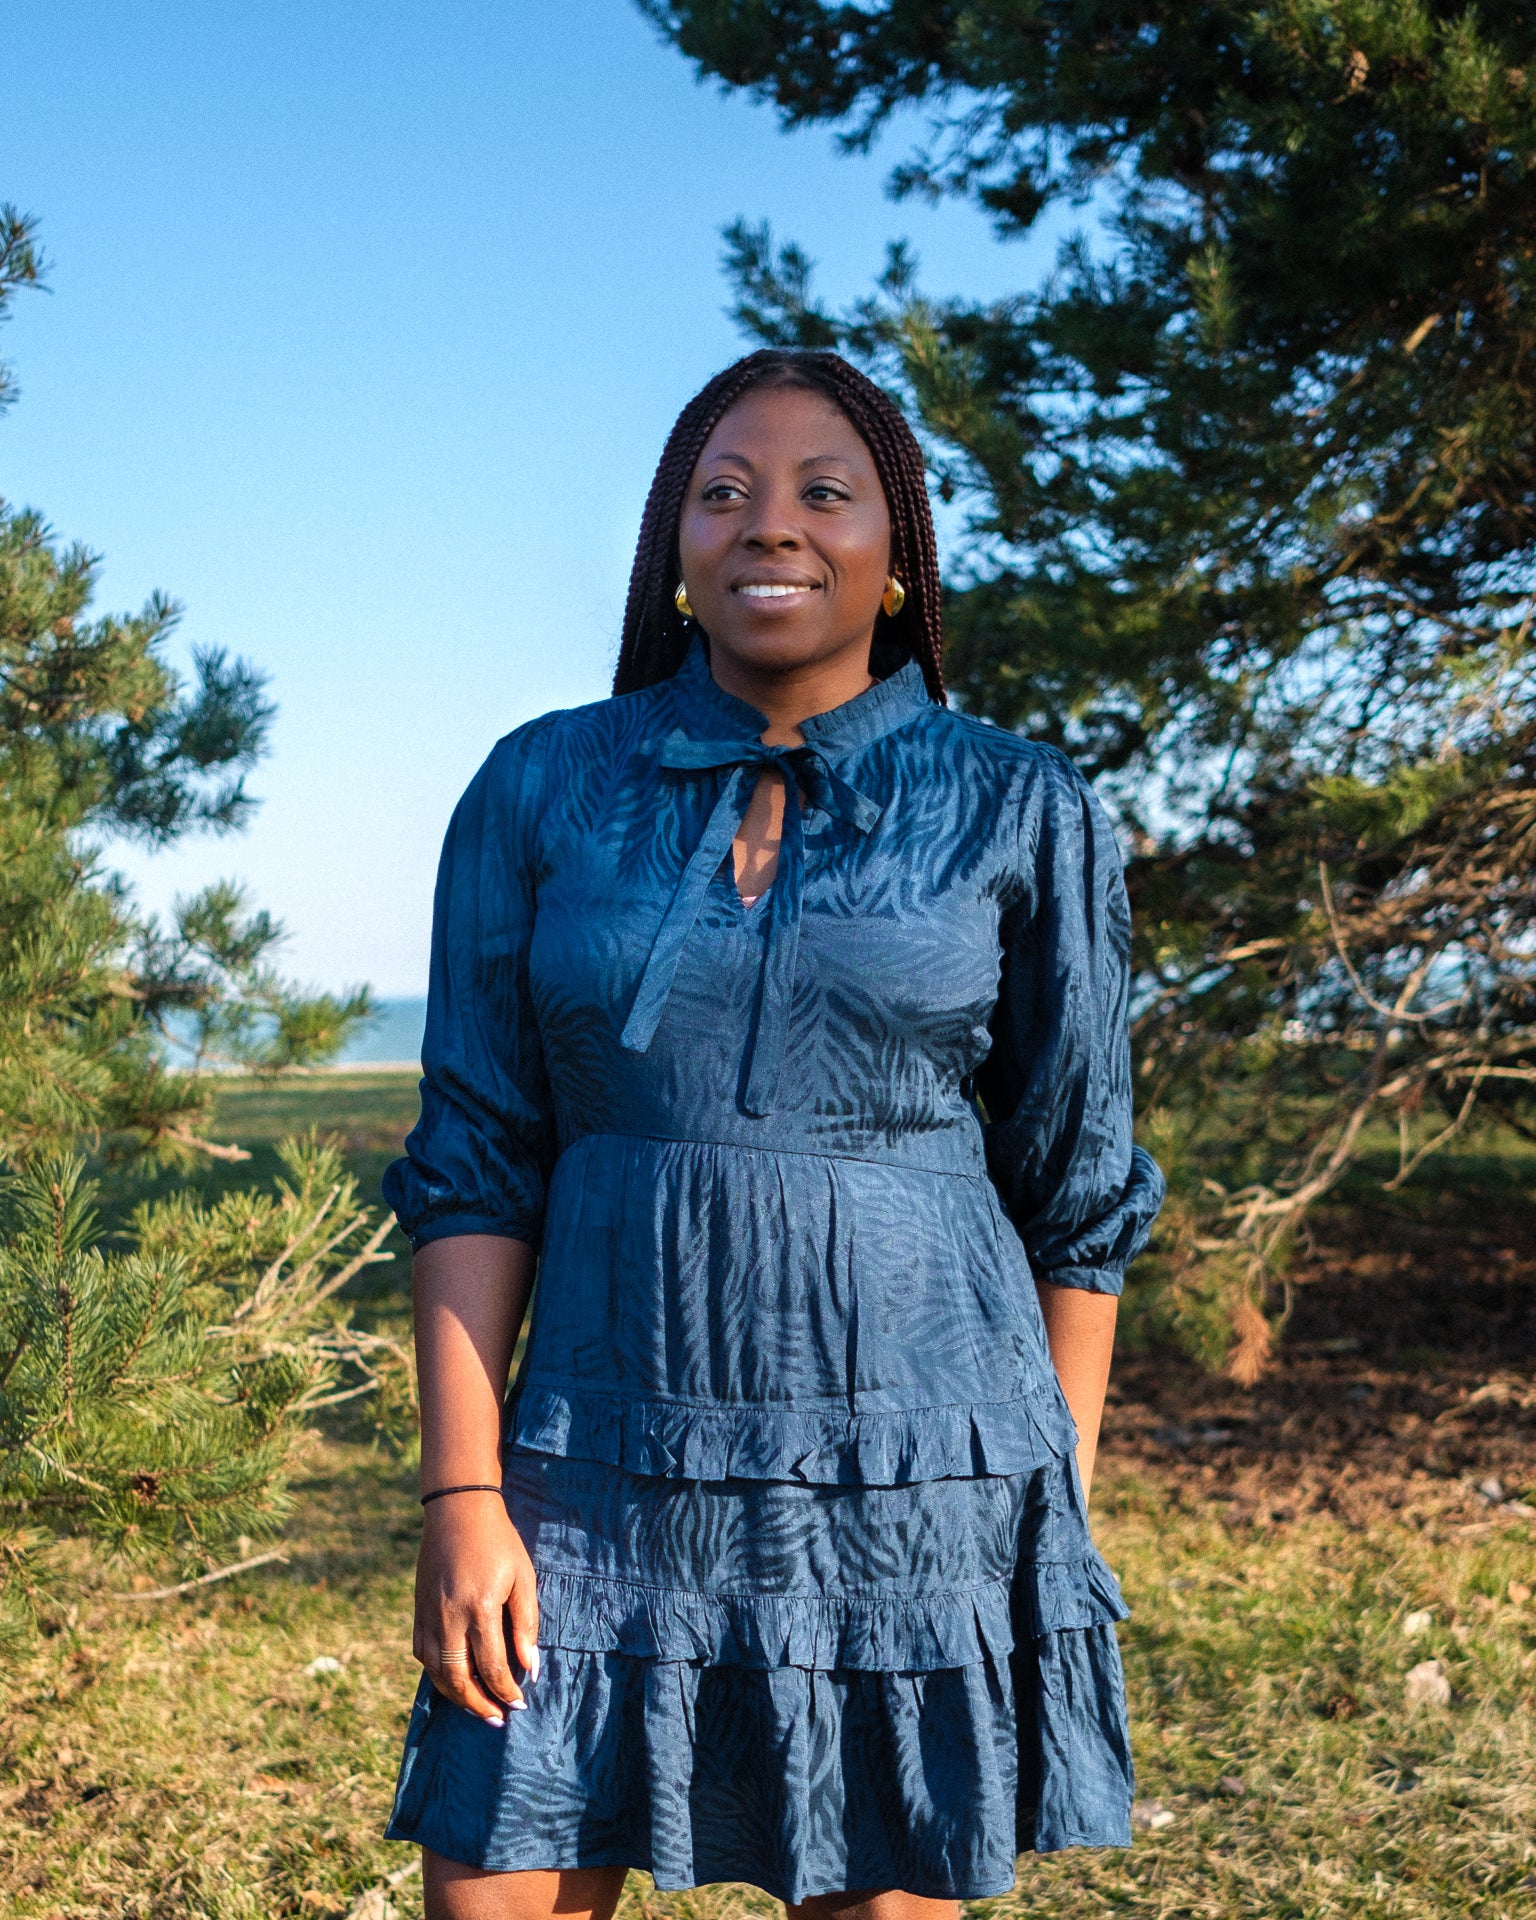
(366, 327)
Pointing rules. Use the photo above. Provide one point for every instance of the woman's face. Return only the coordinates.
(785, 538)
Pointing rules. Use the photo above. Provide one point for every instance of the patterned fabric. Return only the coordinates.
(817, 1593)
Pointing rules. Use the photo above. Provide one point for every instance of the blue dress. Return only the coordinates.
(818, 1605)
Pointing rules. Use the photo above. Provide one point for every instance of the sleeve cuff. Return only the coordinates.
(1086, 1279)
(451, 1225)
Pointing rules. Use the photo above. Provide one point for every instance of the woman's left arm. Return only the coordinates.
(1057, 1083)
(1080, 1327)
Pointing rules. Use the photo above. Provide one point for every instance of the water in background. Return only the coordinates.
(394, 1036)
(392, 1039)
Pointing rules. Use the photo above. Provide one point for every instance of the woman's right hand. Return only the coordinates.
(473, 1579)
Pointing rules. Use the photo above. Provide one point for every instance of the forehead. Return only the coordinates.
(786, 425)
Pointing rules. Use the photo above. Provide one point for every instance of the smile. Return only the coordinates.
(767, 591)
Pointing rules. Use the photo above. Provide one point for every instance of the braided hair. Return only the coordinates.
(656, 635)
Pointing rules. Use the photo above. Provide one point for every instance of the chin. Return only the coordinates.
(779, 645)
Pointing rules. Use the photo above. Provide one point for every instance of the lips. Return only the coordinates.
(774, 589)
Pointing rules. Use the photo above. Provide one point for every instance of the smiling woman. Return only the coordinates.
(780, 1012)
(785, 562)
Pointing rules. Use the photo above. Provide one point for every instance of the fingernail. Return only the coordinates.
(519, 1706)
(494, 1720)
(533, 1667)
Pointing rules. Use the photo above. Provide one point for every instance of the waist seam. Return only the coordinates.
(978, 1172)
(837, 1405)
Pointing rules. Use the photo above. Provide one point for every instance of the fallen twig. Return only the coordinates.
(207, 1579)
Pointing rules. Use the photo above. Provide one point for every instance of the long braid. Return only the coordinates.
(656, 635)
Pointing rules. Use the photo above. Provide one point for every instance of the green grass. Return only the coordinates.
(175, 1758)
(172, 1759)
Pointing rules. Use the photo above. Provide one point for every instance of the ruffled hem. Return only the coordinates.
(675, 1439)
(859, 1633)
(1065, 1596)
(906, 1633)
(799, 1781)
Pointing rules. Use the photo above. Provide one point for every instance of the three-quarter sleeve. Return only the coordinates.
(1056, 1085)
(479, 1158)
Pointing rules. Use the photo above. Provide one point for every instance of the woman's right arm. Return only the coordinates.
(474, 1580)
(469, 1193)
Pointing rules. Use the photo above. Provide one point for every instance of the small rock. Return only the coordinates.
(322, 1663)
(1152, 1815)
(1427, 1686)
(1417, 1622)
(375, 1904)
(1492, 1490)
(1519, 1593)
(1230, 1783)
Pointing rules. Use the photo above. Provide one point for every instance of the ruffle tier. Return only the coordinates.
(918, 1633)
(675, 1439)
(797, 1780)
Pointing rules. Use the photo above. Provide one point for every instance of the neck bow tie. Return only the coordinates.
(805, 770)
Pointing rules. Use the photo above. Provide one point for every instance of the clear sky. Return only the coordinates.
(366, 327)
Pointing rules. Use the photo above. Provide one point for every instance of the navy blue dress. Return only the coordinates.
(818, 1604)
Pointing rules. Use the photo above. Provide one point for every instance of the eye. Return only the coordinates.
(824, 491)
(723, 490)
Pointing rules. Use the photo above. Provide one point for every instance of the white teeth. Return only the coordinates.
(771, 592)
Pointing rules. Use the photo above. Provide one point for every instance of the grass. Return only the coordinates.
(177, 1758)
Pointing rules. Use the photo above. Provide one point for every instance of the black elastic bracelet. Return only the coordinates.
(441, 1493)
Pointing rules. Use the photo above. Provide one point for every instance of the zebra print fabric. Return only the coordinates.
(817, 1593)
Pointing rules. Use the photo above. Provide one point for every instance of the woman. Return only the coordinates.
(778, 1012)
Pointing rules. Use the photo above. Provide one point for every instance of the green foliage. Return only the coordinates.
(1250, 489)
(148, 1397)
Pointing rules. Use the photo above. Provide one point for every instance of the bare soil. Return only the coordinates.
(1405, 1383)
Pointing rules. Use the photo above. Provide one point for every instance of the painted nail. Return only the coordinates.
(533, 1667)
(519, 1706)
(494, 1720)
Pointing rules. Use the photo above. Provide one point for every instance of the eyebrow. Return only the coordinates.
(811, 460)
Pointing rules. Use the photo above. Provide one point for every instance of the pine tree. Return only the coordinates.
(148, 1398)
(1251, 493)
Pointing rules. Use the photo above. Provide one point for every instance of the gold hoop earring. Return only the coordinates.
(894, 598)
(680, 601)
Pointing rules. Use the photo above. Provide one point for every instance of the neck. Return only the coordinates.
(789, 695)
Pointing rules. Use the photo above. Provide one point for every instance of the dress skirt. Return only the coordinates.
(813, 1689)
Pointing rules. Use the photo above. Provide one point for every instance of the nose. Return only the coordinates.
(774, 526)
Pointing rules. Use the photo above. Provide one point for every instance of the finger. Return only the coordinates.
(488, 1646)
(523, 1610)
(453, 1675)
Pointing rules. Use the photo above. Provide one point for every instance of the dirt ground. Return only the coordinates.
(1406, 1383)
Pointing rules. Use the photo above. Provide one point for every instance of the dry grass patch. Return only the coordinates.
(178, 1759)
